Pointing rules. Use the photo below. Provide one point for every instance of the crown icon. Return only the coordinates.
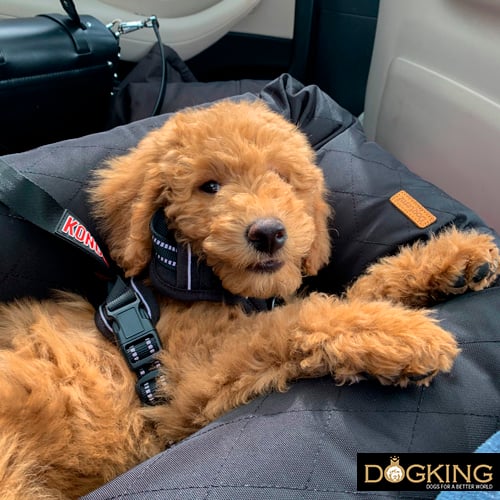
(394, 460)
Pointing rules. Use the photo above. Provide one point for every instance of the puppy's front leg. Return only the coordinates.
(450, 263)
(350, 338)
(312, 337)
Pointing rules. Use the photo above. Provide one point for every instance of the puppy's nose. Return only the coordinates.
(267, 235)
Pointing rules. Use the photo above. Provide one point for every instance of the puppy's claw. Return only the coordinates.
(422, 377)
(476, 261)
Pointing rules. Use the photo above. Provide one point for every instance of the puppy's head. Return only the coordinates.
(237, 182)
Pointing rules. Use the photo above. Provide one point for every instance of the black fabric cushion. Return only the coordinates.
(301, 444)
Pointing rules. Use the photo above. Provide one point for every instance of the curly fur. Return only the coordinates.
(70, 419)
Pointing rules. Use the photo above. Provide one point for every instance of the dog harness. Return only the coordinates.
(130, 312)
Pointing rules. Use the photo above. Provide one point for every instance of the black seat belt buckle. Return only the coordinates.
(134, 333)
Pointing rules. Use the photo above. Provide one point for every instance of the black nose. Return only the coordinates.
(267, 235)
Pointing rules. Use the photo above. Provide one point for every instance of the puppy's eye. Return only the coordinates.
(210, 187)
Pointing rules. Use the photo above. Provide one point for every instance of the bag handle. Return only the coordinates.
(70, 8)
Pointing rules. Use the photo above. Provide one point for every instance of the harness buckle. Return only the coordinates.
(146, 387)
(127, 318)
(134, 333)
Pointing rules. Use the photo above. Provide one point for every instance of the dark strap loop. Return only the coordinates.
(178, 274)
(77, 35)
(70, 8)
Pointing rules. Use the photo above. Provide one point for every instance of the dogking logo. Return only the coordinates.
(428, 471)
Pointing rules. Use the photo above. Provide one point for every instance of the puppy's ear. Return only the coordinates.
(125, 194)
(320, 250)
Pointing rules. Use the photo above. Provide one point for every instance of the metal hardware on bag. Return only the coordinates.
(117, 27)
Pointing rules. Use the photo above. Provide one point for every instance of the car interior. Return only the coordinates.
(418, 81)
(433, 57)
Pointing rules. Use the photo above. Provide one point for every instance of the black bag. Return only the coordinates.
(56, 78)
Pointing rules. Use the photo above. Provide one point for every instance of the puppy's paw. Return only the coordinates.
(394, 344)
(470, 261)
(410, 349)
(434, 351)
(424, 273)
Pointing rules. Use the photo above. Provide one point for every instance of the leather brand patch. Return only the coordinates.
(410, 207)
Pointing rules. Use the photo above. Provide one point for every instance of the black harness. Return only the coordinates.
(130, 312)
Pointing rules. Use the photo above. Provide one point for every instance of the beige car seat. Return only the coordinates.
(433, 97)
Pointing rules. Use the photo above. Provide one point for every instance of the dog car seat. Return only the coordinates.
(303, 443)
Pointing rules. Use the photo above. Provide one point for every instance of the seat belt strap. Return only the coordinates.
(33, 203)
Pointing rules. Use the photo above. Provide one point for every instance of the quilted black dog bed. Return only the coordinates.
(302, 444)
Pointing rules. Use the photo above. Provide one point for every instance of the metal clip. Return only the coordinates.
(118, 27)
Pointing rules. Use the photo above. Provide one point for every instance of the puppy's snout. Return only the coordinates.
(267, 235)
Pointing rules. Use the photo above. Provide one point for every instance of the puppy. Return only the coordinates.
(236, 189)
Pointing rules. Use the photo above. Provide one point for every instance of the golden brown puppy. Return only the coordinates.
(239, 187)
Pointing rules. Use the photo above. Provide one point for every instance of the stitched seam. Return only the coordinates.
(318, 450)
(420, 399)
(356, 231)
(359, 157)
(228, 454)
(128, 488)
(473, 342)
(264, 415)
(250, 487)
(53, 176)
(72, 196)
